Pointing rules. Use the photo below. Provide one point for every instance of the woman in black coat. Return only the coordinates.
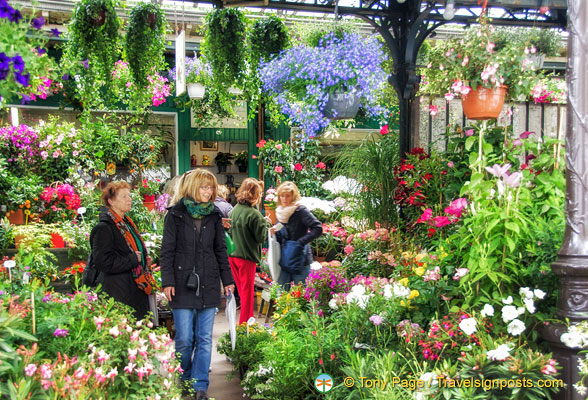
(299, 225)
(118, 251)
(193, 261)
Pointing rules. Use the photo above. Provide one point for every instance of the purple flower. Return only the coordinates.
(41, 50)
(38, 23)
(15, 16)
(4, 66)
(5, 9)
(513, 180)
(23, 79)
(525, 134)
(55, 32)
(376, 319)
(18, 63)
(65, 77)
(25, 98)
(60, 332)
(86, 63)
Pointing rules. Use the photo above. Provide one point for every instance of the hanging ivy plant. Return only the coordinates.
(145, 41)
(267, 37)
(224, 46)
(93, 46)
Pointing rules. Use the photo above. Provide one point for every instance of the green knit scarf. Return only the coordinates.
(198, 210)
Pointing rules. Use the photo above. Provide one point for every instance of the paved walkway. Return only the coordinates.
(220, 388)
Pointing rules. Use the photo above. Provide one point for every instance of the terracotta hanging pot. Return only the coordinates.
(16, 217)
(483, 103)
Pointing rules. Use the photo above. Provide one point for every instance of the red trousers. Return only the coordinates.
(244, 274)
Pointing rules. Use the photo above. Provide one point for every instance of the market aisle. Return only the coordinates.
(220, 388)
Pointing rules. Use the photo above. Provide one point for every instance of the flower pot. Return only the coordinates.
(149, 198)
(242, 168)
(100, 18)
(538, 59)
(151, 20)
(221, 168)
(57, 240)
(196, 90)
(150, 205)
(19, 240)
(483, 103)
(342, 105)
(16, 217)
(272, 213)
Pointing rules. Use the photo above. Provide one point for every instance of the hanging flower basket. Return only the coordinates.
(342, 105)
(483, 103)
(196, 90)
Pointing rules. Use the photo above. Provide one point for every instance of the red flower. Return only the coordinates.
(384, 130)
(320, 361)
(254, 157)
(298, 167)
(261, 143)
(321, 165)
(313, 333)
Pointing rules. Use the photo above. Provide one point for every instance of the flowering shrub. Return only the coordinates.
(577, 337)
(276, 158)
(20, 146)
(549, 90)
(149, 187)
(322, 286)
(301, 78)
(125, 88)
(459, 65)
(61, 202)
(331, 242)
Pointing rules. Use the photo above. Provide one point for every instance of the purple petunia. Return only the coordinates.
(38, 23)
(41, 50)
(23, 79)
(18, 63)
(4, 66)
(86, 63)
(5, 9)
(55, 32)
(15, 16)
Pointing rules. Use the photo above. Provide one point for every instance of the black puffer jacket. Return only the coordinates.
(114, 260)
(184, 249)
(304, 227)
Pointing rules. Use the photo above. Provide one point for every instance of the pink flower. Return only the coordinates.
(298, 167)
(460, 273)
(376, 319)
(46, 371)
(30, 369)
(549, 368)
(348, 249)
(79, 373)
(114, 331)
(279, 146)
(384, 130)
(433, 110)
(432, 274)
(450, 164)
(321, 165)
(427, 214)
(517, 142)
(440, 221)
(278, 169)
(469, 132)
(130, 367)
(525, 134)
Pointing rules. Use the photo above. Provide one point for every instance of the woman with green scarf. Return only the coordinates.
(193, 262)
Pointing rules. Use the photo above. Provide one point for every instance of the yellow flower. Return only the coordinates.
(403, 282)
(405, 254)
(419, 271)
(413, 294)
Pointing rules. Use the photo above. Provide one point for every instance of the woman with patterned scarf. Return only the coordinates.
(193, 262)
(120, 254)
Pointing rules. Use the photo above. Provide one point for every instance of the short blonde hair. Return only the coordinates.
(249, 192)
(193, 180)
(222, 191)
(289, 187)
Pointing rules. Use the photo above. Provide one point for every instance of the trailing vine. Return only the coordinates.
(93, 46)
(145, 41)
(224, 46)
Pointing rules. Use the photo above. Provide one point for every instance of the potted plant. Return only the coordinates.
(242, 160)
(145, 41)
(547, 42)
(198, 76)
(472, 67)
(222, 160)
(148, 189)
(269, 203)
(297, 82)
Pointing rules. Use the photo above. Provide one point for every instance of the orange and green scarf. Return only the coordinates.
(141, 274)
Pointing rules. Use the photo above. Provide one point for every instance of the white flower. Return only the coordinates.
(581, 389)
(487, 311)
(468, 325)
(530, 305)
(333, 304)
(508, 300)
(540, 294)
(388, 291)
(501, 353)
(509, 313)
(525, 291)
(571, 340)
(516, 327)
(400, 291)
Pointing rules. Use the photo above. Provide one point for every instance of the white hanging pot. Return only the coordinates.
(196, 90)
(235, 90)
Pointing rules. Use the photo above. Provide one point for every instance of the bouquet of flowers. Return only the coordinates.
(271, 198)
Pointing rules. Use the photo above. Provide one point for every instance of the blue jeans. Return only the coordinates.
(194, 343)
(287, 277)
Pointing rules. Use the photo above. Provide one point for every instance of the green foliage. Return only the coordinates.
(312, 34)
(19, 190)
(223, 158)
(93, 37)
(242, 158)
(372, 165)
(224, 45)
(145, 41)
(546, 41)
